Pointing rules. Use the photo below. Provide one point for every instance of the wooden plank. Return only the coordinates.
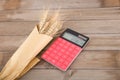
(44, 75)
(16, 28)
(101, 60)
(91, 60)
(52, 4)
(9, 4)
(104, 42)
(1, 58)
(111, 3)
(83, 26)
(73, 75)
(69, 14)
(10, 43)
(4, 57)
(97, 42)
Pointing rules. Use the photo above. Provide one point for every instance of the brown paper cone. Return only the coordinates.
(24, 54)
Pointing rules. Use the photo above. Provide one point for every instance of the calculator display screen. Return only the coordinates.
(77, 40)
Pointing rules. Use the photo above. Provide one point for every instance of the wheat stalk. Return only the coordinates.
(15, 68)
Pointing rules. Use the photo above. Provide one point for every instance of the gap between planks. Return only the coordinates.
(52, 4)
(73, 75)
(97, 42)
(86, 27)
(87, 60)
(67, 15)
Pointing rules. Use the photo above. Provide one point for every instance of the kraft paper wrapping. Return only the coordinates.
(24, 54)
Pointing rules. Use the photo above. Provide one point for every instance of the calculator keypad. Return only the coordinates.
(61, 53)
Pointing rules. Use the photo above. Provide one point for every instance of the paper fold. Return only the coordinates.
(24, 54)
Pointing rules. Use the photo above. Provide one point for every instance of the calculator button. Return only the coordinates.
(48, 58)
(65, 47)
(63, 67)
(56, 43)
(73, 46)
(67, 53)
(59, 39)
(64, 56)
(63, 41)
(47, 52)
(54, 51)
(72, 55)
(70, 49)
(62, 50)
(66, 63)
(68, 44)
(61, 60)
(58, 64)
(77, 48)
(69, 59)
(56, 57)
(53, 61)
(44, 56)
(53, 46)
(61, 44)
(59, 54)
(52, 55)
(50, 49)
(58, 48)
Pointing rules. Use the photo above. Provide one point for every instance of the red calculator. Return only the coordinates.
(64, 49)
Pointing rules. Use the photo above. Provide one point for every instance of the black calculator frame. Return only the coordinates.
(76, 34)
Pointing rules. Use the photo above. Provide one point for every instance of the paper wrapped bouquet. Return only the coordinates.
(25, 56)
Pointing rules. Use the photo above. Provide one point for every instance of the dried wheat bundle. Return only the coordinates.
(24, 57)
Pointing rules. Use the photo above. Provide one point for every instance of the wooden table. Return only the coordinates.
(101, 58)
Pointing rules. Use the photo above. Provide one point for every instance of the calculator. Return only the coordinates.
(64, 49)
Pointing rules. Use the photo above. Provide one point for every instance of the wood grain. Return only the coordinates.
(73, 75)
(4, 57)
(11, 4)
(101, 58)
(87, 60)
(1, 58)
(83, 26)
(66, 14)
(111, 3)
(97, 42)
(52, 4)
